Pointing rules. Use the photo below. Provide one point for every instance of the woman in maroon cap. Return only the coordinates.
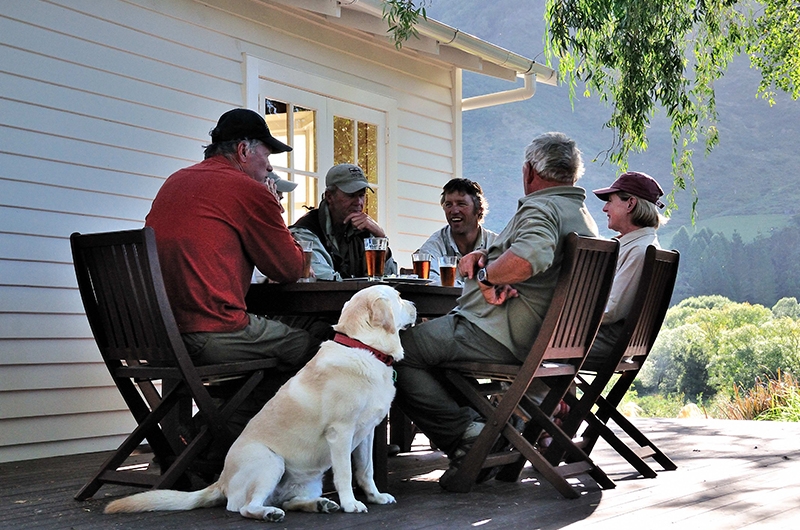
(632, 204)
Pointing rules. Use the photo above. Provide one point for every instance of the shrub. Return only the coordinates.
(770, 399)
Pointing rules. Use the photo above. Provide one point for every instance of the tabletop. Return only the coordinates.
(327, 298)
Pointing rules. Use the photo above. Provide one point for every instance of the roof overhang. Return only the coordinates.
(436, 40)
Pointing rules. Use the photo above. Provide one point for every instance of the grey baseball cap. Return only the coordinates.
(347, 177)
(282, 185)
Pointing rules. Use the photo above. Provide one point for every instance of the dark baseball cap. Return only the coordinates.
(245, 124)
(640, 184)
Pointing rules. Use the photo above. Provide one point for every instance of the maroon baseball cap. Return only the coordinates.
(245, 124)
(640, 184)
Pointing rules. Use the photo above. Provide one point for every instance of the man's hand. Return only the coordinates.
(468, 265)
(272, 188)
(497, 294)
(362, 221)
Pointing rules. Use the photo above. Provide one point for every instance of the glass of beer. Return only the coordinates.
(447, 270)
(422, 264)
(307, 253)
(375, 248)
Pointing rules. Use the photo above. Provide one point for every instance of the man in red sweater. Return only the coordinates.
(214, 221)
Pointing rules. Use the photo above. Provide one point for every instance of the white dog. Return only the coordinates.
(327, 411)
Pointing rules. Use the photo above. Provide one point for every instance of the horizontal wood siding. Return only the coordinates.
(101, 101)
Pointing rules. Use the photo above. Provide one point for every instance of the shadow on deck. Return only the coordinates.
(732, 474)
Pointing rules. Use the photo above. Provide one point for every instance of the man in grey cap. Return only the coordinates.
(339, 226)
(281, 186)
(214, 222)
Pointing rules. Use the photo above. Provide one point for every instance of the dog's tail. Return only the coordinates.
(163, 500)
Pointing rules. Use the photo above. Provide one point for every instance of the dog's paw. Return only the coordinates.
(275, 515)
(327, 506)
(267, 513)
(381, 498)
(354, 506)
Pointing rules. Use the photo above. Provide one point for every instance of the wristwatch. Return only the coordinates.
(483, 277)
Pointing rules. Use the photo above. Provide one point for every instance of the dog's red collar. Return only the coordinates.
(341, 338)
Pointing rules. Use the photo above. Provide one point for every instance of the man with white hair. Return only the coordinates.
(507, 291)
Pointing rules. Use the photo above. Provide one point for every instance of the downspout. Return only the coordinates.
(501, 98)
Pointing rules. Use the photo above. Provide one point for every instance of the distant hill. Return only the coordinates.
(753, 172)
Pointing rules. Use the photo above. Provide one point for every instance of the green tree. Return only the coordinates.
(646, 55)
(786, 307)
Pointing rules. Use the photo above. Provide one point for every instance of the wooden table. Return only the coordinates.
(327, 299)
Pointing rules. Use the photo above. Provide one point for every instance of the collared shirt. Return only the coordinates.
(213, 224)
(536, 233)
(632, 247)
(441, 243)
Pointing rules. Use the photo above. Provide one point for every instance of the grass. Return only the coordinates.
(776, 399)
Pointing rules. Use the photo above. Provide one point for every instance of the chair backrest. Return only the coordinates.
(119, 278)
(650, 305)
(659, 271)
(587, 272)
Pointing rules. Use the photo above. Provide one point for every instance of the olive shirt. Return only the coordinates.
(536, 233)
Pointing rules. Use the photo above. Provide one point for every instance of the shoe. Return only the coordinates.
(471, 434)
(467, 439)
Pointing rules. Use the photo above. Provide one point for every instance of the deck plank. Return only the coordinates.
(731, 474)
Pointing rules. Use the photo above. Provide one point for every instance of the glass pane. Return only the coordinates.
(368, 160)
(286, 196)
(278, 122)
(305, 194)
(343, 141)
(304, 143)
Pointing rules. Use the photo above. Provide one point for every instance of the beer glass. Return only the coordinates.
(307, 253)
(422, 264)
(447, 270)
(375, 249)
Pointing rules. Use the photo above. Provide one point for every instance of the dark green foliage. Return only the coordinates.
(760, 272)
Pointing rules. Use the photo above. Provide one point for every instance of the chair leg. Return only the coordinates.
(149, 429)
(380, 458)
(637, 436)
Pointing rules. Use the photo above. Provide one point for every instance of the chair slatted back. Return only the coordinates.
(587, 264)
(120, 282)
(126, 303)
(650, 307)
(659, 273)
(567, 332)
(627, 356)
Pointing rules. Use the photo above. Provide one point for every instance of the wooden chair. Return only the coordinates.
(626, 359)
(498, 391)
(119, 278)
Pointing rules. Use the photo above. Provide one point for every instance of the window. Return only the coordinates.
(324, 130)
(356, 142)
(295, 126)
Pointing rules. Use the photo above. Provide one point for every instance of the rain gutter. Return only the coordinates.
(531, 71)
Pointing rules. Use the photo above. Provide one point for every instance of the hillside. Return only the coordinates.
(752, 172)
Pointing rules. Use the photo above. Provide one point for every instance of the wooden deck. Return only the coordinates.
(732, 474)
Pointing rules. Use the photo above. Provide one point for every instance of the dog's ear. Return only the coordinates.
(381, 315)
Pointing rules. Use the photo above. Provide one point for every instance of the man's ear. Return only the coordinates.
(381, 315)
(241, 150)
